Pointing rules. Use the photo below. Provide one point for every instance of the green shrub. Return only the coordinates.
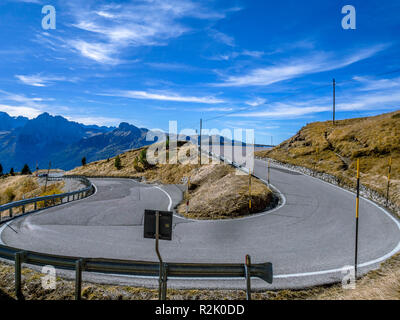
(25, 170)
(117, 163)
(10, 195)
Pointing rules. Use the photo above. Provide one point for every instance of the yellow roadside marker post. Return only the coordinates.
(357, 211)
(388, 183)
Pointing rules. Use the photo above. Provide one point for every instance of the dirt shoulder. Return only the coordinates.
(381, 284)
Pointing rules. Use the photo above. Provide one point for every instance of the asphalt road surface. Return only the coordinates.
(309, 238)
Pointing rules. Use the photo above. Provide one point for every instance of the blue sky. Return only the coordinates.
(264, 65)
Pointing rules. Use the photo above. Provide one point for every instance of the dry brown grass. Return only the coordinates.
(382, 284)
(334, 150)
(164, 173)
(216, 191)
(14, 188)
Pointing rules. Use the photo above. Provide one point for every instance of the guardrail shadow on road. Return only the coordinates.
(113, 266)
(47, 201)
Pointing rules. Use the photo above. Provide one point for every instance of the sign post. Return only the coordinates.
(158, 225)
(357, 211)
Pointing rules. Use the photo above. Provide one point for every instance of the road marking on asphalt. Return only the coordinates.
(365, 264)
(279, 276)
(169, 197)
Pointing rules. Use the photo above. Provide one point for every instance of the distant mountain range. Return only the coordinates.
(63, 142)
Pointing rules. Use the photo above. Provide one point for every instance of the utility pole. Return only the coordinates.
(201, 127)
(47, 176)
(334, 100)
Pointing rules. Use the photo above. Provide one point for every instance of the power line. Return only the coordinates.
(299, 93)
(292, 95)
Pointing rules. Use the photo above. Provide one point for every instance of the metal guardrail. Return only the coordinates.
(124, 267)
(127, 267)
(76, 195)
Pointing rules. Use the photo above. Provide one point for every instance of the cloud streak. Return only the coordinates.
(37, 80)
(162, 96)
(111, 28)
(295, 68)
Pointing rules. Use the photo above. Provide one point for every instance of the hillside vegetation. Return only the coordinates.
(215, 189)
(15, 188)
(334, 149)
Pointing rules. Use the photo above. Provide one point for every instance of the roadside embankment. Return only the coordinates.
(216, 190)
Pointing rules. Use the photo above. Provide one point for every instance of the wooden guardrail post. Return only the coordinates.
(248, 276)
(78, 278)
(19, 259)
(164, 281)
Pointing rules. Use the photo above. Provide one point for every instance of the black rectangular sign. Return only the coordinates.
(165, 230)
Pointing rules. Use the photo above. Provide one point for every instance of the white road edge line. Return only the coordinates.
(169, 197)
(279, 276)
(361, 265)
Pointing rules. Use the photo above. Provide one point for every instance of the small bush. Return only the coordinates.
(10, 195)
(117, 163)
(136, 165)
(25, 170)
(143, 159)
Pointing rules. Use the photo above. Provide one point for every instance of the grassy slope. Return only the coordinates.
(382, 284)
(334, 150)
(216, 191)
(14, 188)
(372, 139)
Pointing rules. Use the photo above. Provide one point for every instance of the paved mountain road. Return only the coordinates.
(308, 239)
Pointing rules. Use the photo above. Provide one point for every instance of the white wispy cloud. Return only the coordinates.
(170, 66)
(222, 37)
(16, 111)
(28, 1)
(236, 54)
(256, 102)
(93, 120)
(371, 84)
(211, 109)
(38, 80)
(112, 28)
(371, 101)
(285, 110)
(22, 99)
(163, 96)
(100, 52)
(297, 67)
(377, 97)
